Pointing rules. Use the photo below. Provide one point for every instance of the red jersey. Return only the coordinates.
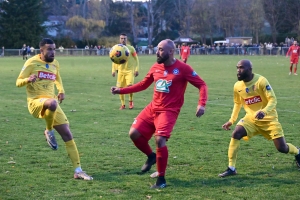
(294, 50)
(184, 52)
(170, 85)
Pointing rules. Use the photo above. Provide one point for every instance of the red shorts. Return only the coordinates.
(159, 123)
(294, 60)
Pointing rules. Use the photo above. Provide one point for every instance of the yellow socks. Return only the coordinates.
(49, 118)
(122, 98)
(131, 97)
(292, 149)
(73, 153)
(232, 151)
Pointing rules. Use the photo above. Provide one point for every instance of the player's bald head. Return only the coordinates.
(167, 44)
(247, 64)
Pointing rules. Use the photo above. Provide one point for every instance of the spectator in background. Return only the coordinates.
(32, 50)
(24, 52)
(28, 51)
(61, 49)
(2, 53)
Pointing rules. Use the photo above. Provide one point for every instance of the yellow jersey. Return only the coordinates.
(254, 95)
(47, 76)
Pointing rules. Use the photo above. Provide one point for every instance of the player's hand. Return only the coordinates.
(32, 78)
(115, 90)
(260, 115)
(136, 74)
(61, 97)
(113, 74)
(200, 111)
(226, 126)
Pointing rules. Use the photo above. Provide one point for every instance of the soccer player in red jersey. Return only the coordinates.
(294, 50)
(184, 52)
(170, 77)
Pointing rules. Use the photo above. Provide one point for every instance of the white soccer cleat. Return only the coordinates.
(295, 74)
(154, 175)
(82, 175)
(290, 73)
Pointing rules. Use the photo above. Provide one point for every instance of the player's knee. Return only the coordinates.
(134, 134)
(51, 104)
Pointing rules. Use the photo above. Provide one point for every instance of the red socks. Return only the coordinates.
(142, 144)
(161, 160)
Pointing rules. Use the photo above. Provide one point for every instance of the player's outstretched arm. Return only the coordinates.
(226, 126)
(115, 90)
(200, 111)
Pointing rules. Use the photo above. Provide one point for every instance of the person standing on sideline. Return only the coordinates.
(255, 94)
(170, 77)
(126, 71)
(185, 52)
(24, 52)
(40, 74)
(294, 50)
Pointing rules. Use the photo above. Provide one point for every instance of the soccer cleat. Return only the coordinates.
(290, 73)
(131, 105)
(50, 138)
(82, 175)
(122, 107)
(295, 74)
(228, 172)
(160, 183)
(149, 162)
(297, 157)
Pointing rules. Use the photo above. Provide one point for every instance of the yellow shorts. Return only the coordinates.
(125, 78)
(35, 107)
(269, 129)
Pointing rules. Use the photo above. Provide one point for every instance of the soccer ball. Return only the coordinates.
(119, 54)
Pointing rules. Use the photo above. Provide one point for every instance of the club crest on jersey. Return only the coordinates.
(268, 87)
(247, 90)
(165, 72)
(46, 75)
(194, 73)
(163, 85)
(47, 66)
(175, 71)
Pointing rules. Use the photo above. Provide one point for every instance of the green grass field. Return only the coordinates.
(29, 169)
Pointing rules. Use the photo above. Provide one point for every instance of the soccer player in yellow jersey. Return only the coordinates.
(40, 74)
(255, 94)
(127, 71)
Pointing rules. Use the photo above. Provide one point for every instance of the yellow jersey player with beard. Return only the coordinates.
(127, 71)
(255, 94)
(40, 74)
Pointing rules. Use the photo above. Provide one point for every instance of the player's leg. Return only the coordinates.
(291, 67)
(45, 108)
(238, 133)
(164, 124)
(129, 81)
(121, 82)
(61, 125)
(295, 64)
(140, 133)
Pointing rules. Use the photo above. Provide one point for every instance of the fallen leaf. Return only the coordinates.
(11, 162)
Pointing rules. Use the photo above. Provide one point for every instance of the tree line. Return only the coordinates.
(87, 21)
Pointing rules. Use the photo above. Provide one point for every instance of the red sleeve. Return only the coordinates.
(194, 79)
(140, 86)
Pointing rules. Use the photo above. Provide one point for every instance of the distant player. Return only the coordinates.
(127, 71)
(294, 50)
(40, 74)
(158, 118)
(184, 52)
(255, 94)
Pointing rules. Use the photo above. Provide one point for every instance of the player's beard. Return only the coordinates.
(162, 59)
(48, 58)
(242, 76)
